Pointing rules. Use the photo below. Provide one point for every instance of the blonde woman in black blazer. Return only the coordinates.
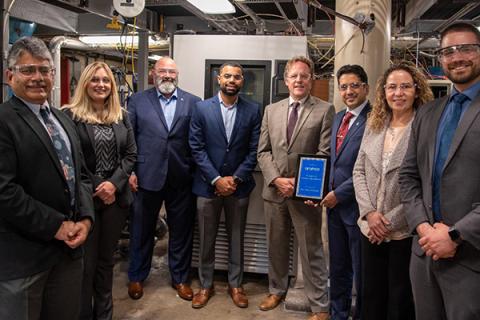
(109, 148)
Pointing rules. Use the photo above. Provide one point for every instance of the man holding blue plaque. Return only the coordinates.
(300, 124)
(342, 208)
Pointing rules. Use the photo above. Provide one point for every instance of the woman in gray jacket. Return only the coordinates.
(386, 243)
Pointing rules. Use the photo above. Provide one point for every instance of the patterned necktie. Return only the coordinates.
(292, 120)
(60, 146)
(343, 130)
(446, 136)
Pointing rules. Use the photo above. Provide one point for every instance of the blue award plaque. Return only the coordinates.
(312, 177)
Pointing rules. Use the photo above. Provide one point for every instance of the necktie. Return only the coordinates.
(60, 146)
(446, 136)
(343, 130)
(292, 120)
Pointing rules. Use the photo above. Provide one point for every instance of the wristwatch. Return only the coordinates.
(454, 235)
(237, 180)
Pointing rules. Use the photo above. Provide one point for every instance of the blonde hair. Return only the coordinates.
(296, 59)
(381, 112)
(81, 105)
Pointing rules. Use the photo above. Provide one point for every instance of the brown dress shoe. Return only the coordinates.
(319, 316)
(201, 298)
(238, 297)
(184, 291)
(135, 290)
(270, 302)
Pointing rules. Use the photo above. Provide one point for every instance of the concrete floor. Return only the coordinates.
(161, 302)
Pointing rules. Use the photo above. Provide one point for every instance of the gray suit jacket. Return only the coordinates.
(460, 182)
(367, 175)
(312, 133)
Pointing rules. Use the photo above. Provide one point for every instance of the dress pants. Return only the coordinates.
(444, 289)
(209, 211)
(307, 223)
(345, 266)
(180, 207)
(387, 293)
(99, 250)
(53, 294)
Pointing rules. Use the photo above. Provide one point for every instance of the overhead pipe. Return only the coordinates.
(56, 45)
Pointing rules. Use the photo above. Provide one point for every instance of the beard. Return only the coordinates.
(166, 86)
(230, 92)
(470, 74)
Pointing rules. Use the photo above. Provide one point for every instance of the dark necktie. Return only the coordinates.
(446, 136)
(292, 120)
(60, 146)
(343, 130)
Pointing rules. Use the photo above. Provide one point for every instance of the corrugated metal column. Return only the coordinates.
(375, 56)
(142, 61)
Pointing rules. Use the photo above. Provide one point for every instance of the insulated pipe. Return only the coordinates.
(372, 51)
(56, 45)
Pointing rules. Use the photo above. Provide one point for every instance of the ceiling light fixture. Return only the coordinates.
(213, 6)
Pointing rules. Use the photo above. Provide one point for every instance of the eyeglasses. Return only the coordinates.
(163, 72)
(302, 76)
(227, 76)
(392, 87)
(28, 70)
(353, 85)
(463, 49)
(97, 80)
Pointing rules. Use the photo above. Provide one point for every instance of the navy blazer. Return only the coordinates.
(215, 156)
(341, 165)
(162, 155)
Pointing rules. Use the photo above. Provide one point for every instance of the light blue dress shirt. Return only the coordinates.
(229, 114)
(168, 106)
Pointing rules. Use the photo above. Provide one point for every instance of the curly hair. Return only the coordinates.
(381, 113)
(81, 105)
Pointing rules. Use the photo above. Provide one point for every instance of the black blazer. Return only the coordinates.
(126, 156)
(34, 195)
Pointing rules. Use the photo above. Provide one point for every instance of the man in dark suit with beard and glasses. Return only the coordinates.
(160, 119)
(440, 183)
(46, 208)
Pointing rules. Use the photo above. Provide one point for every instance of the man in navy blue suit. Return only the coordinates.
(343, 231)
(224, 135)
(160, 118)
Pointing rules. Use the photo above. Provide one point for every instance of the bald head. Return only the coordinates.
(165, 75)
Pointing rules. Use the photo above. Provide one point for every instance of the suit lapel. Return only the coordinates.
(337, 120)
(307, 109)
(437, 113)
(117, 131)
(217, 114)
(374, 149)
(40, 131)
(359, 122)
(153, 97)
(179, 109)
(465, 123)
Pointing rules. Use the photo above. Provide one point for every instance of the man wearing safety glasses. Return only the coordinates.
(46, 208)
(440, 181)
